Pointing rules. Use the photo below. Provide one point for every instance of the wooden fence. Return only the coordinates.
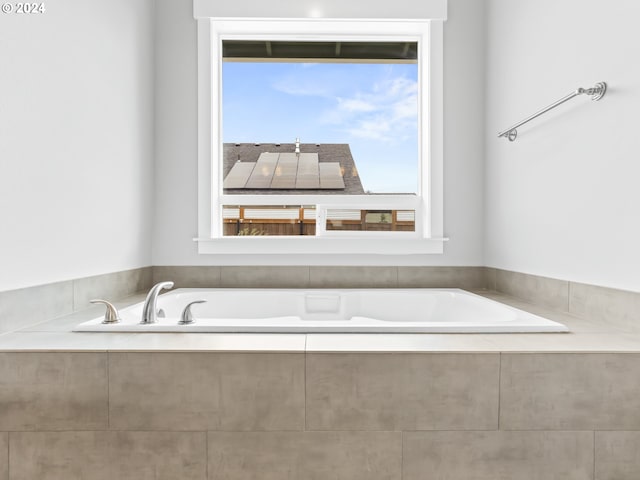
(301, 224)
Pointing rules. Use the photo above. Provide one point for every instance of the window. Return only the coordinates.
(277, 195)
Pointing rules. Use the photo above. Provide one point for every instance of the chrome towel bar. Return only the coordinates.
(596, 92)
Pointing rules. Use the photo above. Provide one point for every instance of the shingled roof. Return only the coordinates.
(332, 152)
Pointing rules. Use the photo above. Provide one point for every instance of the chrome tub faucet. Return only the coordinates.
(149, 310)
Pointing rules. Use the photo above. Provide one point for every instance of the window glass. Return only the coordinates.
(293, 220)
(320, 118)
(371, 220)
(269, 220)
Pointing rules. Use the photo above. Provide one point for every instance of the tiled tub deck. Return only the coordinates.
(224, 406)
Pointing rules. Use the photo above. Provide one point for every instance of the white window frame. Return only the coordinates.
(428, 203)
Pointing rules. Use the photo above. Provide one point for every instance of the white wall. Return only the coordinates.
(176, 145)
(76, 140)
(79, 84)
(563, 199)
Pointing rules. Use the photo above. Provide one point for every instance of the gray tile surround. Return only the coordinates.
(59, 455)
(617, 455)
(490, 275)
(264, 277)
(363, 412)
(108, 455)
(570, 392)
(353, 277)
(321, 276)
(110, 286)
(19, 310)
(591, 302)
(469, 278)
(402, 391)
(543, 291)
(498, 455)
(206, 391)
(53, 391)
(4, 456)
(305, 455)
(605, 304)
(188, 276)
(158, 455)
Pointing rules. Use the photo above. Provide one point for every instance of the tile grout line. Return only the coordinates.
(499, 385)
(305, 384)
(593, 475)
(402, 455)
(108, 392)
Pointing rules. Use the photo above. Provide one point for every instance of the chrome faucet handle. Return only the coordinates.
(111, 315)
(187, 316)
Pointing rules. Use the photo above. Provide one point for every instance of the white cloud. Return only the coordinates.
(355, 105)
(294, 86)
(383, 109)
(307, 81)
(376, 128)
(387, 113)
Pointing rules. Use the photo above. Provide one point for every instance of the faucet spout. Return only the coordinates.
(149, 310)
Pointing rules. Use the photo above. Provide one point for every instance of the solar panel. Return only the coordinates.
(330, 175)
(239, 174)
(263, 172)
(308, 171)
(285, 173)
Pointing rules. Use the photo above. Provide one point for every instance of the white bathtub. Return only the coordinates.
(420, 310)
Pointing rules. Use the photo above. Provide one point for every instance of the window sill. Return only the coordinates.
(317, 245)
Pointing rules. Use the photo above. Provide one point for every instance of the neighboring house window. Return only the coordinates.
(261, 190)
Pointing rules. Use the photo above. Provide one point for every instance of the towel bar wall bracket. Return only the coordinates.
(596, 92)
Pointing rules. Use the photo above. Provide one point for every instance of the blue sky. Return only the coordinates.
(372, 107)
